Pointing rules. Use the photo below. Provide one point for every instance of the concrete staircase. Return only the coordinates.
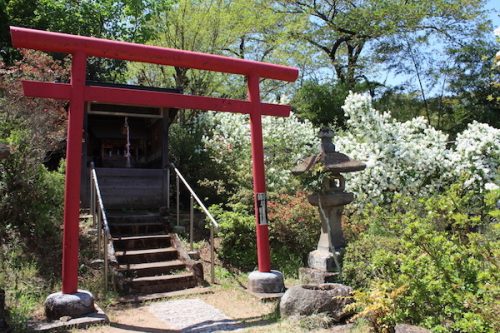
(150, 259)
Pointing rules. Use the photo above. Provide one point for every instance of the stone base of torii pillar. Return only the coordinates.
(75, 305)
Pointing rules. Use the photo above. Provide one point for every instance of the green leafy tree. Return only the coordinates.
(473, 80)
(189, 25)
(342, 30)
(114, 19)
(321, 104)
(451, 91)
(232, 28)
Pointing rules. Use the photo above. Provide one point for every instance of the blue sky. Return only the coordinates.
(494, 5)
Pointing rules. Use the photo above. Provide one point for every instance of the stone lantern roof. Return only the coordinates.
(332, 160)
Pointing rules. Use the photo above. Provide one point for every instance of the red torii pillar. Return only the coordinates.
(77, 92)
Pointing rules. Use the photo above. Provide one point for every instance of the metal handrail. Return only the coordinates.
(213, 223)
(100, 222)
(202, 206)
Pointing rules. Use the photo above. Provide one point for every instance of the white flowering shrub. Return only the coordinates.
(409, 158)
(400, 157)
(412, 157)
(477, 156)
(285, 141)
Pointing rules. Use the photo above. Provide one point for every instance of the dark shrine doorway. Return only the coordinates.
(128, 146)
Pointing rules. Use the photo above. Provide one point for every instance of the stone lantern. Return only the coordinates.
(330, 199)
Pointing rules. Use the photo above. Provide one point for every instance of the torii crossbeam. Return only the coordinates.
(78, 93)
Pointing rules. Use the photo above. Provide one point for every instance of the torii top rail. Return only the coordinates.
(77, 92)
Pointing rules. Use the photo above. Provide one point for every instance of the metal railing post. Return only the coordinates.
(178, 198)
(212, 255)
(106, 261)
(191, 222)
(92, 200)
(99, 230)
(213, 223)
(168, 188)
(103, 232)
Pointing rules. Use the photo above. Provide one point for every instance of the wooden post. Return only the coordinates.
(259, 178)
(73, 167)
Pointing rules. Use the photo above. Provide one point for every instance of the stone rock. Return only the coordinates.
(305, 300)
(315, 276)
(404, 328)
(266, 282)
(322, 260)
(75, 305)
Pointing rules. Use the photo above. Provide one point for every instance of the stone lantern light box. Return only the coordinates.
(330, 199)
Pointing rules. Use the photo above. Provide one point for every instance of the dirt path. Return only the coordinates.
(131, 320)
(236, 309)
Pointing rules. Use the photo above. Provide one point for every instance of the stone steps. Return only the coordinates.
(147, 255)
(122, 229)
(146, 241)
(152, 268)
(162, 283)
(148, 259)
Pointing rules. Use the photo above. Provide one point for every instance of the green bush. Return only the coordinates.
(358, 261)
(293, 232)
(237, 234)
(432, 262)
(286, 260)
(31, 197)
(30, 248)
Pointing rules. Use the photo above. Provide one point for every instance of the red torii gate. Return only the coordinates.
(78, 93)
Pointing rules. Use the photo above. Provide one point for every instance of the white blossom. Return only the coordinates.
(411, 157)
(491, 187)
(497, 32)
(286, 140)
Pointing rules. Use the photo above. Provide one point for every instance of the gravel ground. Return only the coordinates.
(193, 316)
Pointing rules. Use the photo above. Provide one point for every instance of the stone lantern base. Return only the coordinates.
(322, 268)
(315, 276)
(322, 260)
